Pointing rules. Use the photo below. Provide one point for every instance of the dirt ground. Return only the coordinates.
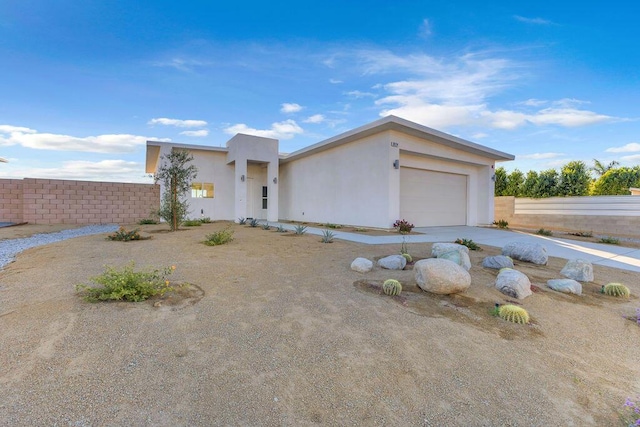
(275, 329)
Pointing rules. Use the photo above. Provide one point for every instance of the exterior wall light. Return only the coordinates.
(493, 177)
(396, 164)
(275, 180)
(242, 178)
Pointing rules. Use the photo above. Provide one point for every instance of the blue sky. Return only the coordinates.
(83, 84)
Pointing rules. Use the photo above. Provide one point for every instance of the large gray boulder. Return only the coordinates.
(393, 262)
(528, 252)
(513, 283)
(441, 276)
(497, 262)
(459, 257)
(578, 269)
(567, 286)
(440, 248)
(361, 265)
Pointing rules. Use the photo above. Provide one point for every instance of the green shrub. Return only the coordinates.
(327, 236)
(501, 223)
(581, 234)
(391, 287)
(219, 237)
(127, 284)
(205, 220)
(253, 223)
(609, 240)
(543, 232)
(360, 229)
(147, 221)
(242, 220)
(469, 244)
(300, 229)
(513, 313)
(330, 225)
(122, 235)
(192, 223)
(616, 290)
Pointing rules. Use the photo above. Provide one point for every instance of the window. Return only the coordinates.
(202, 190)
(264, 197)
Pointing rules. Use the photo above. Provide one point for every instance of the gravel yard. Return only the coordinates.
(277, 330)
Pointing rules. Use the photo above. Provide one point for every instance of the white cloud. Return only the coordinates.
(539, 156)
(289, 108)
(105, 170)
(360, 94)
(632, 158)
(537, 21)
(177, 122)
(335, 81)
(629, 148)
(425, 28)
(286, 129)
(118, 143)
(568, 117)
(181, 64)
(316, 118)
(195, 133)
(533, 102)
(479, 135)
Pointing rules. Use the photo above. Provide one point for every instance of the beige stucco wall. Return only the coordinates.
(610, 224)
(50, 201)
(213, 168)
(349, 184)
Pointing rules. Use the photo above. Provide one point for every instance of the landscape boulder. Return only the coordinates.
(497, 262)
(513, 283)
(578, 269)
(528, 252)
(440, 248)
(393, 262)
(567, 286)
(441, 276)
(361, 265)
(459, 257)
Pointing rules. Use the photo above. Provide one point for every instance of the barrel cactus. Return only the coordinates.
(616, 290)
(407, 257)
(513, 313)
(391, 287)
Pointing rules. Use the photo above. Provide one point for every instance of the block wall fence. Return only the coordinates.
(50, 201)
(601, 215)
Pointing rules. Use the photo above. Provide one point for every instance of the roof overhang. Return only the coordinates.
(404, 126)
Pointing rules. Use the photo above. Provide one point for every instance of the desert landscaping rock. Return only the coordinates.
(362, 265)
(440, 248)
(567, 286)
(441, 276)
(459, 257)
(497, 262)
(578, 269)
(528, 252)
(393, 262)
(513, 283)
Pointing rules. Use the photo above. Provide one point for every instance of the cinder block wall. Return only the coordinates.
(612, 225)
(49, 201)
(11, 200)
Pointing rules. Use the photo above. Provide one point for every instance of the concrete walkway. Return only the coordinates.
(596, 253)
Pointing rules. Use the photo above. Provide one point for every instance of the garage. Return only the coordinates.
(429, 198)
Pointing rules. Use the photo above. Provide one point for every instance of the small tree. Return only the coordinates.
(574, 179)
(501, 182)
(547, 185)
(530, 183)
(176, 175)
(514, 183)
(617, 181)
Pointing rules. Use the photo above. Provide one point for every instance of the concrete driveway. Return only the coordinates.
(596, 253)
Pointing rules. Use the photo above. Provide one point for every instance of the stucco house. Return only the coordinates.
(370, 176)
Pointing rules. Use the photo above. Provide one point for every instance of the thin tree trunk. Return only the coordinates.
(174, 204)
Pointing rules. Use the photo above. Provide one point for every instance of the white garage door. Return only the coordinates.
(429, 198)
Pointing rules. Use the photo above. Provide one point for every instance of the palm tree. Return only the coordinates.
(600, 169)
